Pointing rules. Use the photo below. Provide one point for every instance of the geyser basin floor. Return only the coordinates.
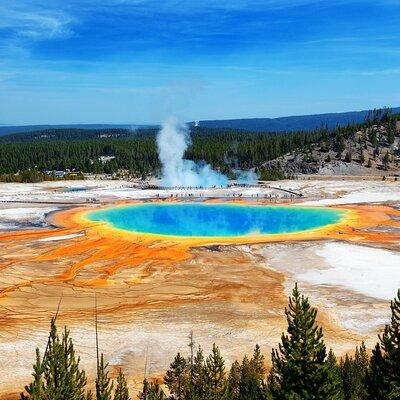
(216, 220)
(155, 289)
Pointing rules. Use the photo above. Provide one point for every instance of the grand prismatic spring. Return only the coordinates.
(216, 220)
(163, 267)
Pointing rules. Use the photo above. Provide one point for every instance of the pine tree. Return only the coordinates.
(335, 376)
(388, 364)
(233, 382)
(377, 380)
(373, 137)
(376, 152)
(177, 377)
(197, 389)
(121, 389)
(386, 160)
(152, 391)
(143, 394)
(215, 381)
(251, 384)
(391, 134)
(354, 374)
(103, 381)
(59, 373)
(36, 389)
(347, 372)
(258, 363)
(299, 367)
(340, 146)
(361, 360)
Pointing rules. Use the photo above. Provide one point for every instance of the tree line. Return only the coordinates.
(135, 152)
(223, 149)
(302, 369)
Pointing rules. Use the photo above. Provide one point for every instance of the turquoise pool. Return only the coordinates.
(215, 220)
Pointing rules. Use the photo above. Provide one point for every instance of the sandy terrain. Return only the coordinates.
(152, 293)
(353, 283)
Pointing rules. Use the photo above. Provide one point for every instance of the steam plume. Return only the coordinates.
(172, 142)
(249, 178)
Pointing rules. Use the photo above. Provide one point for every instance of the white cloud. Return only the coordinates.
(27, 22)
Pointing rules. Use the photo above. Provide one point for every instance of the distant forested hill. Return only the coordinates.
(69, 134)
(7, 130)
(282, 124)
(290, 124)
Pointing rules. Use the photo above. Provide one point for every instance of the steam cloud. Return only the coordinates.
(246, 177)
(249, 177)
(172, 142)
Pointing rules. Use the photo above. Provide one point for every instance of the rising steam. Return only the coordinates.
(172, 142)
(248, 178)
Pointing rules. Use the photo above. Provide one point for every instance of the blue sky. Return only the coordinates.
(139, 61)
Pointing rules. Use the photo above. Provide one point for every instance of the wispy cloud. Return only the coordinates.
(21, 20)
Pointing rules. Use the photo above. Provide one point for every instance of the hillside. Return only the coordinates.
(292, 123)
(374, 149)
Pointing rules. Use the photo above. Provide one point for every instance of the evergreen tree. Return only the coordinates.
(299, 367)
(354, 374)
(258, 363)
(340, 146)
(385, 160)
(373, 137)
(143, 394)
(377, 380)
(58, 377)
(36, 389)
(233, 382)
(390, 344)
(251, 385)
(152, 391)
(103, 381)
(361, 360)
(334, 376)
(197, 390)
(121, 389)
(215, 381)
(391, 133)
(177, 378)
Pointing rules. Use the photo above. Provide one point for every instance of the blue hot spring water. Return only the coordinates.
(215, 220)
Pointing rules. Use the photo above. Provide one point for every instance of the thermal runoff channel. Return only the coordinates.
(215, 220)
